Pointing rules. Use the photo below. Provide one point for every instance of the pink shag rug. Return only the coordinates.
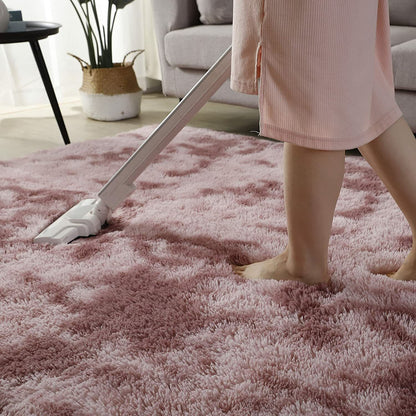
(147, 318)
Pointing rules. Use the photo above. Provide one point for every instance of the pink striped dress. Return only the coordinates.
(322, 69)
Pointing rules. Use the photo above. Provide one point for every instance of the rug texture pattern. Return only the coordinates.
(147, 318)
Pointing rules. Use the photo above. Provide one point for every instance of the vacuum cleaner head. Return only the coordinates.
(87, 217)
(82, 220)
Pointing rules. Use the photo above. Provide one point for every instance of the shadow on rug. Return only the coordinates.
(147, 318)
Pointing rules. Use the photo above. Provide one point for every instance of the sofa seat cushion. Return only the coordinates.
(197, 47)
(401, 34)
(404, 65)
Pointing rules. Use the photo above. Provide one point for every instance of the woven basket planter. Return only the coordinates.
(110, 94)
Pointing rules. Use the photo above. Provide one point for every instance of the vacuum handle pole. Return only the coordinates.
(120, 186)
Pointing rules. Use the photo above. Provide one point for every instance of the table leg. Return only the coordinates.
(49, 88)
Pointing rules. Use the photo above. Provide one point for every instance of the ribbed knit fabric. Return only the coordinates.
(325, 69)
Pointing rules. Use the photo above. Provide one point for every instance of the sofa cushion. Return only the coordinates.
(400, 34)
(404, 64)
(197, 47)
(402, 12)
(215, 12)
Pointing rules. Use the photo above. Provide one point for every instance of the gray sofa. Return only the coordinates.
(187, 48)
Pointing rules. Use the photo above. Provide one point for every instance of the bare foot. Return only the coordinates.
(407, 271)
(275, 268)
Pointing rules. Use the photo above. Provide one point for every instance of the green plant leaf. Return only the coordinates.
(98, 36)
(120, 4)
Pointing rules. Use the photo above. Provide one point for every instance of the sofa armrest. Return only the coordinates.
(170, 15)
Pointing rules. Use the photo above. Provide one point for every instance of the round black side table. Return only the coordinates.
(33, 33)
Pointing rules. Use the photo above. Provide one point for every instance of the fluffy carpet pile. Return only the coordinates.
(147, 318)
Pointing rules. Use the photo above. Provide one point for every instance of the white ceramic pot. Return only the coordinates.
(111, 107)
(4, 17)
(110, 94)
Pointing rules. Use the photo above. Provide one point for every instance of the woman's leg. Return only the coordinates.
(313, 180)
(393, 157)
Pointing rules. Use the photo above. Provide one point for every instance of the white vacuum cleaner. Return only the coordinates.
(87, 217)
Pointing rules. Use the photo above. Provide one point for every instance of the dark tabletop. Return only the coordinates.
(34, 31)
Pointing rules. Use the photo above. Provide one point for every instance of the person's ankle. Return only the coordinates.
(308, 269)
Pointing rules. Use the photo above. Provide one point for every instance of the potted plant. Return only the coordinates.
(109, 90)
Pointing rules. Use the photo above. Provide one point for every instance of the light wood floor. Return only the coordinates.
(29, 129)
